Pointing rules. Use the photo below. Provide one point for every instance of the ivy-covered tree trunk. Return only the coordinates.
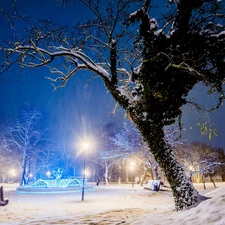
(184, 193)
(163, 91)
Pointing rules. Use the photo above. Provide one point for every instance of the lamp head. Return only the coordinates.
(85, 145)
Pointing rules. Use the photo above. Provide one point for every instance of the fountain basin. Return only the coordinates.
(54, 186)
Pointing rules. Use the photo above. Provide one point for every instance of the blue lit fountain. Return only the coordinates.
(57, 185)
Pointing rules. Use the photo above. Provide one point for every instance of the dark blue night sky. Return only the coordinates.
(70, 111)
(75, 109)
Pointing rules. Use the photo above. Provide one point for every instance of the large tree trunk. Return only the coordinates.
(184, 192)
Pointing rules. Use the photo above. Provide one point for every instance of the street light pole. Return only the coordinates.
(85, 146)
(83, 177)
(133, 180)
(132, 172)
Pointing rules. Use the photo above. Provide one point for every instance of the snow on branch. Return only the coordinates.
(33, 56)
(186, 67)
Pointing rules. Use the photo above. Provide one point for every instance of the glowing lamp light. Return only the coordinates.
(85, 145)
(48, 173)
(13, 172)
(191, 168)
(86, 172)
(132, 165)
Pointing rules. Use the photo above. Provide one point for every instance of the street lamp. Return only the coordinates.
(85, 147)
(48, 174)
(191, 169)
(13, 174)
(30, 176)
(132, 172)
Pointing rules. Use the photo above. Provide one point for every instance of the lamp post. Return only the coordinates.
(13, 174)
(132, 172)
(85, 147)
(48, 174)
(30, 177)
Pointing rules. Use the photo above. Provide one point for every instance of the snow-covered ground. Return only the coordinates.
(112, 204)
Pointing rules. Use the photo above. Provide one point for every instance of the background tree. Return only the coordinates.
(221, 158)
(199, 160)
(24, 134)
(10, 162)
(149, 73)
(9, 159)
(45, 158)
(128, 140)
(109, 157)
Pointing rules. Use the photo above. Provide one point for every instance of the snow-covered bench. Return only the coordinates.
(153, 185)
(3, 201)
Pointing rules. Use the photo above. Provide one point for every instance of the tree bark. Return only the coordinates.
(185, 195)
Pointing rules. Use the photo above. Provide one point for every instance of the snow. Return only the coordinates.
(158, 32)
(137, 98)
(145, 114)
(218, 35)
(153, 24)
(170, 33)
(112, 204)
(125, 93)
(134, 14)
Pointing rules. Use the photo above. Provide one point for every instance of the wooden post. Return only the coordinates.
(3, 201)
(1, 194)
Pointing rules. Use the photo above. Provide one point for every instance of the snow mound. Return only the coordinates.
(211, 211)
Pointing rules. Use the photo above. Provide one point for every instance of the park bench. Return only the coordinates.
(3, 201)
(153, 185)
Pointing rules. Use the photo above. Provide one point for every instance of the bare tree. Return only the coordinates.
(118, 145)
(9, 160)
(110, 156)
(46, 159)
(129, 140)
(109, 159)
(24, 135)
(128, 144)
(148, 67)
(199, 159)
